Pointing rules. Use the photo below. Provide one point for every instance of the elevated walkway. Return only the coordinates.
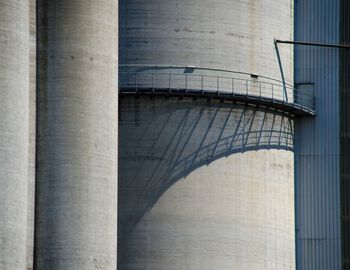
(233, 86)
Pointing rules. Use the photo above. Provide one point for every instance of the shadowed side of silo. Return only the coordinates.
(76, 184)
(14, 110)
(204, 182)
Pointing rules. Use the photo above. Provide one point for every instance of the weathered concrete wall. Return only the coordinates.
(32, 132)
(204, 185)
(226, 34)
(77, 146)
(14, 104)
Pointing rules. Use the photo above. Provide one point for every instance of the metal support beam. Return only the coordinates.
(318, 44)
(304, 43)
(281, 70)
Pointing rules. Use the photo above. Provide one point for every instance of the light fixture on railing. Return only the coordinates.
(189, 69)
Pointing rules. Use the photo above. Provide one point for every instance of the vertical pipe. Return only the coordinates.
(14, 111)
(76, 204)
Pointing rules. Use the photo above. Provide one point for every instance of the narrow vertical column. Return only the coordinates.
(76, 186)
(345, 134)
(32, 132)
(14, 85)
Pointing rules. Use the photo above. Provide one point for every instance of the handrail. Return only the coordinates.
(159, 66)
(152, 80)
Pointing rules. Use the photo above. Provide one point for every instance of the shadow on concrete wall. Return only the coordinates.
(163, 140)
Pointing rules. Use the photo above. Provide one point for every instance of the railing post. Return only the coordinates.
(136, 87)
(233, 86)
(301, 100)
(285, 94)
(152, 82)
(217, 84)
(246, 86)
(169, 83)
(260, 90)
(272, 91)
(202, 84)
(186, 83)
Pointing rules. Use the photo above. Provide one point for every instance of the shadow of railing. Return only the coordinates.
(162, 140)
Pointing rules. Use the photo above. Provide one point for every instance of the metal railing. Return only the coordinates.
(212, 82)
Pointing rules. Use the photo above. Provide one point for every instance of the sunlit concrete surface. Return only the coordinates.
(14, 138)
(204, 185)
(225, 34)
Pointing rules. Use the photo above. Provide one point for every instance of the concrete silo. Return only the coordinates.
(205, 182)
(76, 172)
(14, 110)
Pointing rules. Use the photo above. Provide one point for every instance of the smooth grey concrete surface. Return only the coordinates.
(32, 132)
(76, 210)
(14, 139)
(226, 34)
(204, 185)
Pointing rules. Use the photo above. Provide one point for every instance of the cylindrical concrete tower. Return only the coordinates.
(14, 104)
(76, 192)
(203, 184)
(223, 34)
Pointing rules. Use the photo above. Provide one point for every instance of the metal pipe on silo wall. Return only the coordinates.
(14, 106)
(76, 187)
